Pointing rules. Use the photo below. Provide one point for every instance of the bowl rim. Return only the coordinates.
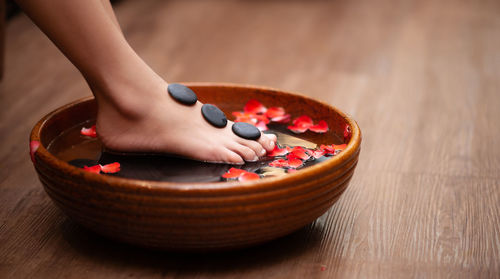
(264, 184)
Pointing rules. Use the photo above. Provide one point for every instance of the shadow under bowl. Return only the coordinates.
(200, 216)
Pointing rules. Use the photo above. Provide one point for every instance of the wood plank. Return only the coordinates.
(420, 77)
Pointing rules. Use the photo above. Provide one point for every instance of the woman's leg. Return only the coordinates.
(134, 111)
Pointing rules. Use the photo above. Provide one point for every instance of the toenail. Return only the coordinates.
(263, 152)
(272, 144)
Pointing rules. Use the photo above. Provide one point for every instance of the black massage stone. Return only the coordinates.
(246, 131)
(182, 94)
(214, 115)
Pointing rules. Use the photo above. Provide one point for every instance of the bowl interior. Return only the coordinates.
(228, 98)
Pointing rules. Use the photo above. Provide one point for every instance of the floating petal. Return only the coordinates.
(340, 147)
(111, 168)
(90, 132)
(318, 153)
(321, 127)
(233, 173)
(261, 126)
(301, 124)
(34, 144)
(303, 120)
(293, 162)
(95, 169)
(300, 152)
(277, 114)
(279, 163)
(254, 106)
(347, 133)
(281, 119)
(278, 151)
(247, 176)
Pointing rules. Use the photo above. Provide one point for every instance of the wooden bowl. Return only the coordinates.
(199, 216)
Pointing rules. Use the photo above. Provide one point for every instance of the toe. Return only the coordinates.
(255, 146)
(245, 152)
(232, 157)
(268, 141)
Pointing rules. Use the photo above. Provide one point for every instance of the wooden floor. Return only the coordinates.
(422, 78)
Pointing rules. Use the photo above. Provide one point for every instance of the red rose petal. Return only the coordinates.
(95, 169)
(340, 147)
(239, 113)
(301, 124)
(303, 120)
(261, 126)
(111, 168)
(261, 117)
(233, 173)
(278, 151)
(247, 176)
(246, 119)
(329, 149)
(34, 144)
(347, 133)
(90, 132)
(297, 129)
(250, 118)
(318, 153)
(279, 163)
(281, 119)
(254, 106)
(321, 127)
(275, 112)
(293, 161)
(300, 152)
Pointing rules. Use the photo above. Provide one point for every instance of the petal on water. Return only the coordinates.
(34, 144)
(95, 169)
(329, 149)
(279, 163)
(111, 168)
(281, 119)
(321, 127)
(294, 162)
(254, 106)
(247, 176)
(275, 112)
(261, 126)
(278, 151)
(300, 152)
(297, 129)
(318, 153)
(303, 120)
(301, 124)
(90, 132)
(347, 133)
(340, 146)
(233, 173)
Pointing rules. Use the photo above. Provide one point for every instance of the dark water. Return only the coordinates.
(81, 151)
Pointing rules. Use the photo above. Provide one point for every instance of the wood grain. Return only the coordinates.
(420, 77)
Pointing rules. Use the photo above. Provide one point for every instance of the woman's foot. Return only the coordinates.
(136, 114)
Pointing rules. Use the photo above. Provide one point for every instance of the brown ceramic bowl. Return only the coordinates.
(199, 216)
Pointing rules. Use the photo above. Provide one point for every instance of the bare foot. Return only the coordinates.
(136, 114)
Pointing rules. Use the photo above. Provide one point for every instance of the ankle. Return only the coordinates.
(130, 93)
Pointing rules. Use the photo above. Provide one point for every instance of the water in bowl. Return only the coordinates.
(79, 151)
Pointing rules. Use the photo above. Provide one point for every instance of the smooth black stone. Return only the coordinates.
(246, 131)
(182, 94)
(214, 115)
